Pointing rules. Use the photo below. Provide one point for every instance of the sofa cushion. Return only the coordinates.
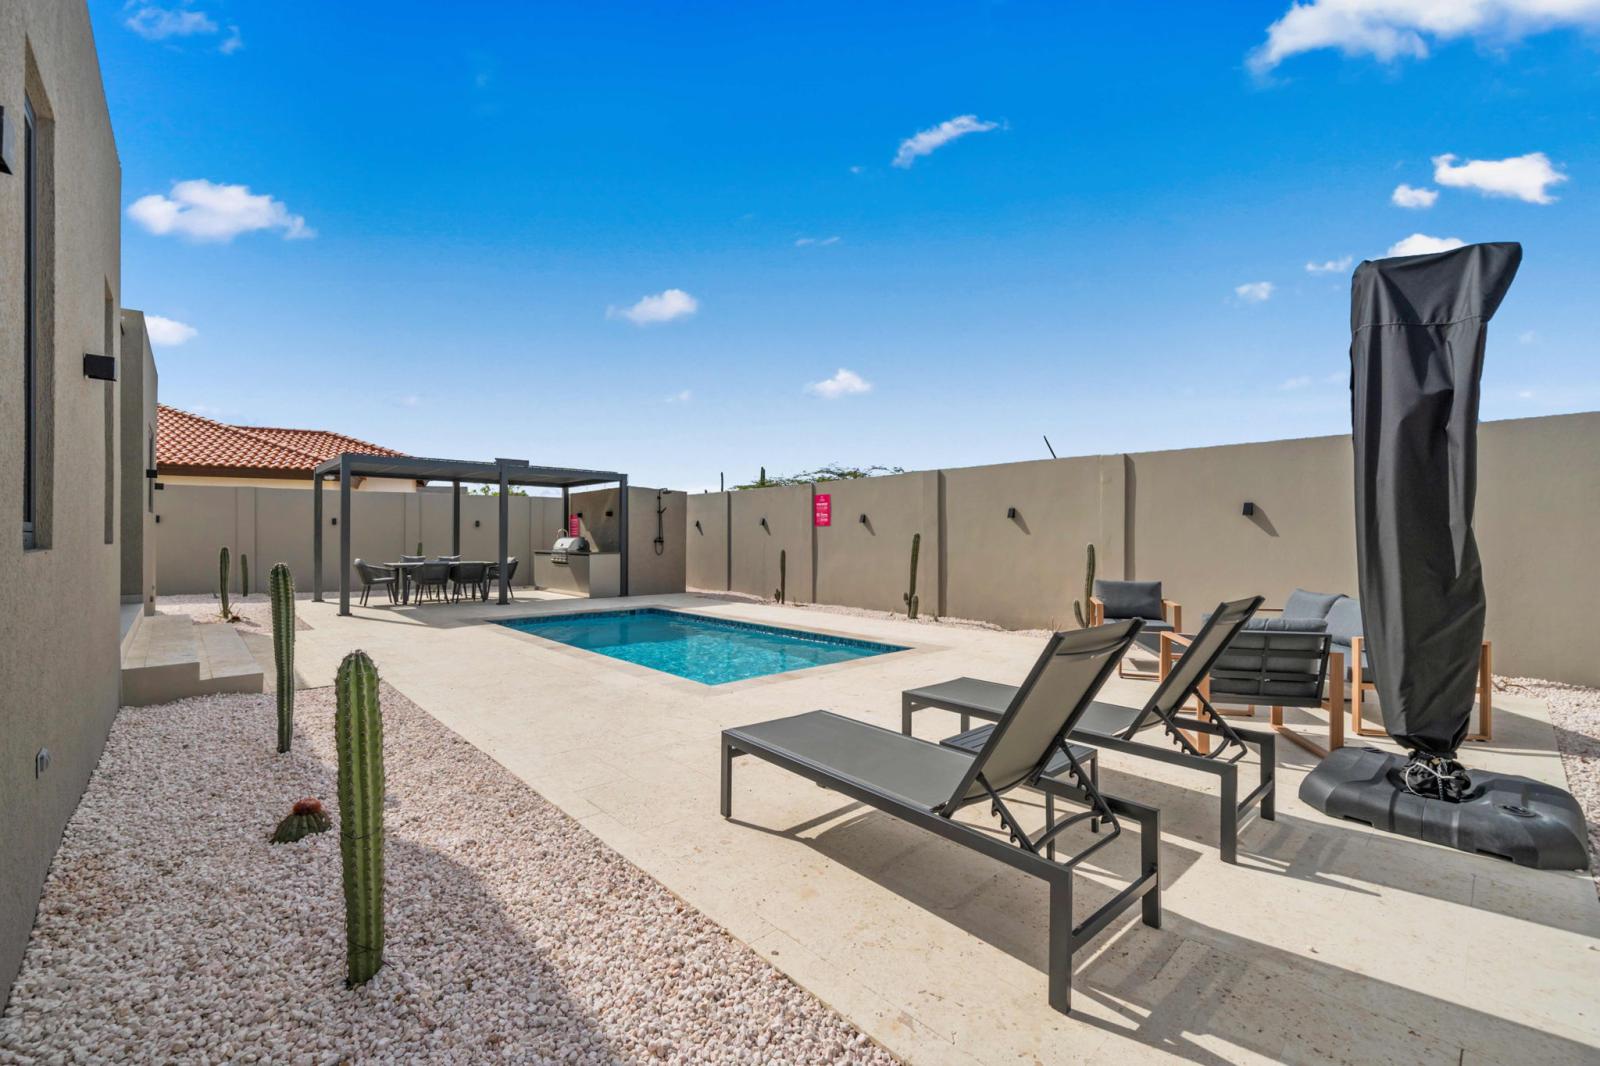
(1344, 620)
(1303, 604)
(1130, 599)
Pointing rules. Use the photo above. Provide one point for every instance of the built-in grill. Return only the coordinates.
(566, 545)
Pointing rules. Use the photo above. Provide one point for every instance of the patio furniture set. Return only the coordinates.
(446, 578)
(1044, 735)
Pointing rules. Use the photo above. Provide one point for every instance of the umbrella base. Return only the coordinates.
(1507, 817)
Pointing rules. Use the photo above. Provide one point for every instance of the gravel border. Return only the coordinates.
(1575, 714)
(171, 930)
(254, 611)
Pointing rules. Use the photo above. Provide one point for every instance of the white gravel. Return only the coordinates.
(254, 611)
(1575, 713)
(171, 930)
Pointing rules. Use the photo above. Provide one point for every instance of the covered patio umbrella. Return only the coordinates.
(1418, 325)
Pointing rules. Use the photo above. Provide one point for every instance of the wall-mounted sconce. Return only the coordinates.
(863, 519)
(697, 526)
(99, 367)
(764, 524)
(1249, 509)
(335, 521)
(476, 523)
(610, 513)
(158, 519)
(1011, 512)
(151, 474)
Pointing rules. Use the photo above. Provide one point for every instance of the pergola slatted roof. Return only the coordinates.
(350, 466)
(418, 468)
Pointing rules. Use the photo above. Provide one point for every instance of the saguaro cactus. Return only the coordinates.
(358, 735)
(280, 587)
(1080, 608)
(781, 593)
(244, 575)
(224, 579)
(911, 593)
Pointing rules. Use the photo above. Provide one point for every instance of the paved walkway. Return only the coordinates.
(1327, 943)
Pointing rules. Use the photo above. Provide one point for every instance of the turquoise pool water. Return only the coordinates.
(712, 651)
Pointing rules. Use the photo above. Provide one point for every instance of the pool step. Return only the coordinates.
(170, 657)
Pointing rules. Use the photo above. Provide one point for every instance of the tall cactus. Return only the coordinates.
(781, 593)
(1080, 608)
(224, 579)
(280, 586)
(244, 575)
(911, 594)
(419, 547)
(358, 735)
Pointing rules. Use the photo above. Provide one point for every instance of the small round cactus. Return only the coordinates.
(307, 817)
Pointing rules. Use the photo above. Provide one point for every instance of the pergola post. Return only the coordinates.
(566, 509)
(344, 534)
(455, 517)
(505, 535)
(622, 530)
(316, 537)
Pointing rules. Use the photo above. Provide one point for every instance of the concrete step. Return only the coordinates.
(170, 658)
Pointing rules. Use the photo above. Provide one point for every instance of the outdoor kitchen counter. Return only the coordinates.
(593, 574)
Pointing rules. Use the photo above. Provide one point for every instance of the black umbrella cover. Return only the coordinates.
(1418, 325)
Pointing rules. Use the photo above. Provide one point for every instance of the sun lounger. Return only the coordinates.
(926, 784)
(1115, 727)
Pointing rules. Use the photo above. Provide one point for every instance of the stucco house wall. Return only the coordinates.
(59, 638)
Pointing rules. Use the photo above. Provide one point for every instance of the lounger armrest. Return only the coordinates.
(1172, 611)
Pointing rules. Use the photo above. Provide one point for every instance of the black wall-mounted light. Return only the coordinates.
(8, 144)
(100, 367)
(697, 526)
(158, 519)
(1011, 512)
(610, 513)
(476, 523)
(335, 521)
(1249, 509)
(764, 524)
(863, 519)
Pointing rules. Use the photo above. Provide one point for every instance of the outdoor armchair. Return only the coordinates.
(1187, 741)
(1114, 601)
(371, 575)
(926, 784)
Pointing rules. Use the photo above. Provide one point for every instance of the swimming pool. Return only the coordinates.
(712, 651)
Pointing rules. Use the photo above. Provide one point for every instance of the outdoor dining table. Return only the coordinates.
(404, 570)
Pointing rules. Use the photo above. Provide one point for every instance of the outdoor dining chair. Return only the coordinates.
(492, 576)
(375, 575)
(469, 577)
(434, 576)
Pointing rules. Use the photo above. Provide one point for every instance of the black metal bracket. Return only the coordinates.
(8, 145)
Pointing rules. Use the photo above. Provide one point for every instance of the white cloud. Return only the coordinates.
(1524, 177)
(820, 242)
(1331, 266)
(205, 211)
(683, 396)
(1301, 382)
(857, 169)
(168, 332)
(662, 307)
(1410, 196)
(158, 23)
(1527, 337)
(927, 141)
(1389, 30)
(408, 400)
(231, 43)
(1254, 292)
(1525, 394)
(1422, 244)
(843, 383)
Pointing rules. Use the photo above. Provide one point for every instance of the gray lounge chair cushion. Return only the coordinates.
(879, 760)
(1130, 599)
(1303, 604)
(1344, 620)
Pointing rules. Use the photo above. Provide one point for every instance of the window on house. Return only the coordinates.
(30, 370)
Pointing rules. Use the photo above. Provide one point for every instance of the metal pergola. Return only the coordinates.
(502, 472)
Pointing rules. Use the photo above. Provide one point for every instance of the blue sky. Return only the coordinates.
(643, 237)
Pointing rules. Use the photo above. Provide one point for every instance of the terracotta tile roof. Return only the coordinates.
(188, 443)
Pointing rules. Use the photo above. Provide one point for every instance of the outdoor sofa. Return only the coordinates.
(1116, 728)
(926, 784)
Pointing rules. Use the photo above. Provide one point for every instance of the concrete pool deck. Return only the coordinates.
(1321, 945)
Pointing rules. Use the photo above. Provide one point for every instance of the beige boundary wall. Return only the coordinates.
(1177, 517)
(274, 525)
